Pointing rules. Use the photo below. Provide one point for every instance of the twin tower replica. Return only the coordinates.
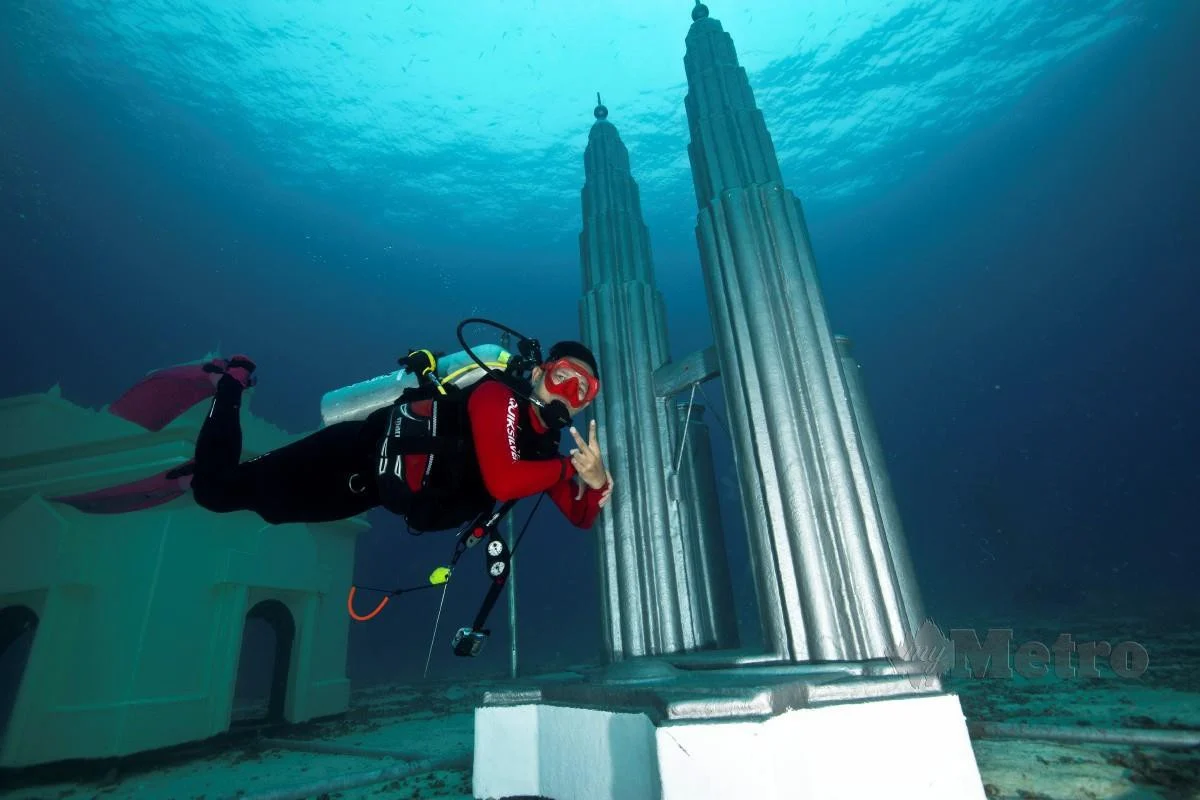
(836, 704)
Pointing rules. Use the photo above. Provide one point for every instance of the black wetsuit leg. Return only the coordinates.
(325, 476)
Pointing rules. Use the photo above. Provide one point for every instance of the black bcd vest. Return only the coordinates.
(423, 421)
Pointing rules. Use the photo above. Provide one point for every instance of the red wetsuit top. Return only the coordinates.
(493, 409)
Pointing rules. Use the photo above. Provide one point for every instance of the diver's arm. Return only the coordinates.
(493, 411)
(581, 511)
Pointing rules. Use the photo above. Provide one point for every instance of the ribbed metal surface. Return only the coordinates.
(885, 531)
(826, 589)
(655, 600)
(709, 581)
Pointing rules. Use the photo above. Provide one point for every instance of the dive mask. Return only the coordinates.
(567, 381)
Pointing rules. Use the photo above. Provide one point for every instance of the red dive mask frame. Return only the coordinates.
(568, 388)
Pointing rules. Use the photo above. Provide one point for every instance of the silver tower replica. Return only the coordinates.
(847, 700)
(663, 566)
(832, 583)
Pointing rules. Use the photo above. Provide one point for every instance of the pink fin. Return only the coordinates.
(162, 396)
(134, 496)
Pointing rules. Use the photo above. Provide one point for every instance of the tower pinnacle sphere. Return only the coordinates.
(601, 112)
(699, 12)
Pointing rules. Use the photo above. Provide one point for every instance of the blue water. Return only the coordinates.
(1002, 199)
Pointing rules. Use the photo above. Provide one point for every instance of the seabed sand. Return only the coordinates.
(432, 721)
(435, 720)
(1165, 697)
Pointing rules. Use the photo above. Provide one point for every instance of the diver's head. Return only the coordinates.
(568, 376)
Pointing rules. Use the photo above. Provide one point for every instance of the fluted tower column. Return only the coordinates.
(652, 566)
(885, 529)
(826, 582)
(709, 564)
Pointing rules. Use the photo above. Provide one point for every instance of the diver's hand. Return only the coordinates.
(607, 491)
(603, 498)
(586, 459)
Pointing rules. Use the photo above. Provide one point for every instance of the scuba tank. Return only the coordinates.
(357, 401)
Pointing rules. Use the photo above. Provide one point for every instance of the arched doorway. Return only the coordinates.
(261, 689)
(18, 624)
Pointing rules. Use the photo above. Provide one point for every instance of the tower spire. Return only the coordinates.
(601, 112)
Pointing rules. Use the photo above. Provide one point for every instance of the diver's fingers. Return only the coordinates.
(578, 439)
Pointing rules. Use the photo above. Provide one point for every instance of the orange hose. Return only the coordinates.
(363, 617)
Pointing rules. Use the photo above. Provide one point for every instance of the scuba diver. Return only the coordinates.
(440, 455)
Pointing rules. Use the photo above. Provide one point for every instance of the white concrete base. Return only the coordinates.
(909, 747)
